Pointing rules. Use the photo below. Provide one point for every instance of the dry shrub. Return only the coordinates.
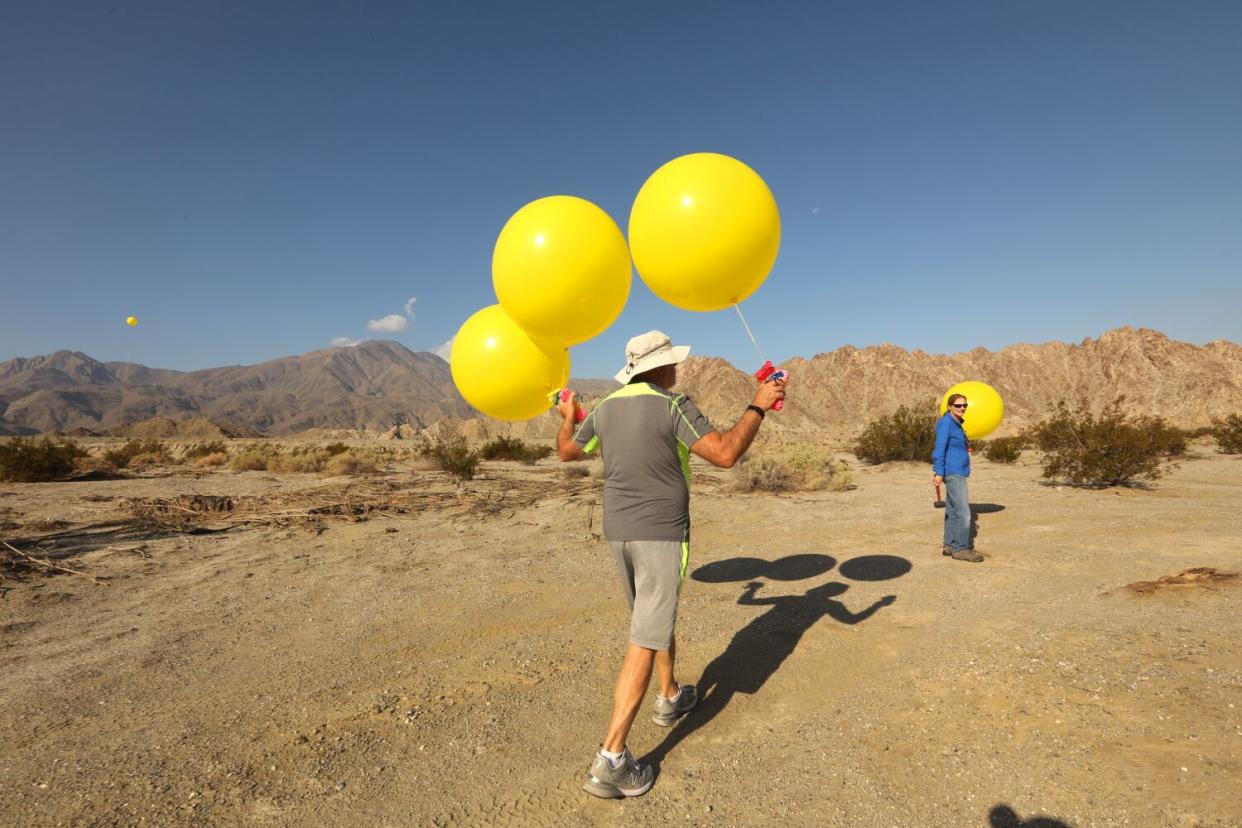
(194, 453)
(138, 453)
(352, 463)
(27, 461)
(217, 458)
(333, 459)
(1112, 448)
(909, 433)
(451, 453)
(254, 458)
(1003, 449)
(512, 448)
(798, 470)
(1228, 434)
(575, 472)
(1197, 576)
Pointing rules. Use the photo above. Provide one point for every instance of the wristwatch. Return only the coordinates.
(757, 410)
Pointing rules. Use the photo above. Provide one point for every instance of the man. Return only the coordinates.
(951, 466)
(647, 434)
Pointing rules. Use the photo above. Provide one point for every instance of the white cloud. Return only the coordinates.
(391, 323)
(344, 342)
(409, 307)
(443, 351)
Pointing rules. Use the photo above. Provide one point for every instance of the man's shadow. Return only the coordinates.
(758, 649)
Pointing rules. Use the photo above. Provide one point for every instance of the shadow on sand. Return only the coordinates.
(759, 648)
(977, 509)
(1002, 816)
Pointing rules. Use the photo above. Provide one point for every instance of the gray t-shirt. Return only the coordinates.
(645, 432)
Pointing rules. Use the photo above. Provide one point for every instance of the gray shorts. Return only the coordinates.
(651, 573)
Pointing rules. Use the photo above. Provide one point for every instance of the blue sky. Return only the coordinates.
(253, 180)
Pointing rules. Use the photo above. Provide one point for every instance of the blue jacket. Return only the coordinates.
(950, 455)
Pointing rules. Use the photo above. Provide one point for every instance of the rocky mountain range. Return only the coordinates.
(373, 386)
(381, 386)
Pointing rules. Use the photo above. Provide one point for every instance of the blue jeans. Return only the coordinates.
(956, 513)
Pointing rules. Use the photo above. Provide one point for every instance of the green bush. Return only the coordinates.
(451, 453)
(27, 461)
(1109, 449)
(1004, 449)
(1172, 440)
(511, 448)
(1228, 434)
(909, 433)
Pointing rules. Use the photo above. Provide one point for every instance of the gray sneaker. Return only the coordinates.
(967, 555)
(627, 779)
(668, 710)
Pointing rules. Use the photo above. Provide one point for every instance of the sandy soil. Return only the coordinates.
(450, 661)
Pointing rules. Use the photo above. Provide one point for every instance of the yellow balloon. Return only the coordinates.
(501, 371)
(984, 408)
(132, 321)
(704, 231)
(561, 269)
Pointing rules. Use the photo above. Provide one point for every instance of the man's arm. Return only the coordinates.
(566, 448)
(724, 450)
(748, 599)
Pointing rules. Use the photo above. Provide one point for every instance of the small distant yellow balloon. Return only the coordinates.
(561, 269)
(132, 321)
(704, 231)
(501, 370)
(984, 408)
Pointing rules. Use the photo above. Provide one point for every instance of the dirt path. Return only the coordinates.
(447, 667)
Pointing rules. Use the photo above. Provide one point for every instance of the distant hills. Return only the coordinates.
(377, 385)
(373, 386)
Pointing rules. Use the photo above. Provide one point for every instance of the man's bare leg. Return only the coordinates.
(664, 661)
(632, 684)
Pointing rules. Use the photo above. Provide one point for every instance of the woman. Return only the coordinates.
(951, 466)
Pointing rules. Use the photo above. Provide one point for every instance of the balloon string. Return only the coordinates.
(748, 333)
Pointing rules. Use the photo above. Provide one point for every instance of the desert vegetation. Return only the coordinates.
(24, 460)
(797, 470)
(330, 459)
(1112, 448)
(1004, 449)
(909, 433)
(1228, 433)
(512, 448)
(450, 452)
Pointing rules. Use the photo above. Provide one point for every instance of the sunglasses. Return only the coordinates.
(958, 405)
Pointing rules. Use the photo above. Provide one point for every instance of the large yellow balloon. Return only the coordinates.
(984, 408)
(561, 269)
(132, 321)
(501, 371)
(704, 231)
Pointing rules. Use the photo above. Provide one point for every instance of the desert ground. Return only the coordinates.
(405, 649)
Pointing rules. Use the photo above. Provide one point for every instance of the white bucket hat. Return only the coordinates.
(647, 351)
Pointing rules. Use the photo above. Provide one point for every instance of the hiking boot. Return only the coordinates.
(967, 555)
(667, 710)
(946, 550)
(627, 779)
